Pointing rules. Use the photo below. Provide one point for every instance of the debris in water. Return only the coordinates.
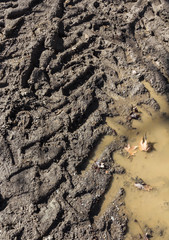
(131, 149)
(140, 184)
(144, 145)
(143, 187)
(145, 235)
(147, 187)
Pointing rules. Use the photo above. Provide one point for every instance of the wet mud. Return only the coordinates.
(79, 80)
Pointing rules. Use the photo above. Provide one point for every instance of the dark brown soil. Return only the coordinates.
(64, 67)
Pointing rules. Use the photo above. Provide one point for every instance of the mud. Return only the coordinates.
(66, 67)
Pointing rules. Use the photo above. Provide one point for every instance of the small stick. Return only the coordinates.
(144, 235)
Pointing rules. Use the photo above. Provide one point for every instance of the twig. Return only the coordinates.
(144, 235)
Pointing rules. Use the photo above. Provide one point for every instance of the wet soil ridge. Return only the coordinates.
(64, 67)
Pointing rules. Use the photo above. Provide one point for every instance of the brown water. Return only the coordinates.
(149, 208)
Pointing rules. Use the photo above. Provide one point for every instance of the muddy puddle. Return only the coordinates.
(150, 208)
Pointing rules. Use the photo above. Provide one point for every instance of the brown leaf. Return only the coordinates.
(131, 149)
(147, 187)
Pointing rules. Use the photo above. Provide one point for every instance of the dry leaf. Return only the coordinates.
(131, 149)
(144, 146)
(147, 187)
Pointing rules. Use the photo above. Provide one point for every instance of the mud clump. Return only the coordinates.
(64, 67)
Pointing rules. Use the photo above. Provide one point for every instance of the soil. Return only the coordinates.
(64, 67)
